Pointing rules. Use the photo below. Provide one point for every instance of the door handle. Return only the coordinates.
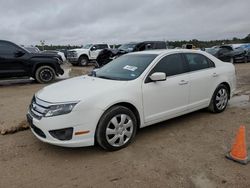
(215, 74)
(183, 82)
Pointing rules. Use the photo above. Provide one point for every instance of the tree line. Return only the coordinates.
(197, 43)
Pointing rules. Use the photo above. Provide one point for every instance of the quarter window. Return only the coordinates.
(171, 65)
(198, 62)
(101, 46)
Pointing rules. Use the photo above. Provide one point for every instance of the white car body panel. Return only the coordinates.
(62, 55)
(91, 54)
(154, 101)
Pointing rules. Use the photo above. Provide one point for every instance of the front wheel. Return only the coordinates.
(83, 61)
(220, 99)
(45, 74)
(116, 128)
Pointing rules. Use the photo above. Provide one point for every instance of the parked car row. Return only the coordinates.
(228, 53)
(102, 54)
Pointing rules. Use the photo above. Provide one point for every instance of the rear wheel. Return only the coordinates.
(116, 128)
(45, 74)
(220, 99)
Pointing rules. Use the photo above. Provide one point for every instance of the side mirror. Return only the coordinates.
(19, 53)
(158, 76)
(93, 48)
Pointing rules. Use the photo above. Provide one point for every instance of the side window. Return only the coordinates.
(198, 62)
(224, 50)
(6, 48)
(101, 46)
(160, 45)
(171, 65)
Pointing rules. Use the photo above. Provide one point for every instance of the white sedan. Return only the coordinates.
(133, 91)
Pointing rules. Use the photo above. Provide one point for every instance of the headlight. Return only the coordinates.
(60, 109)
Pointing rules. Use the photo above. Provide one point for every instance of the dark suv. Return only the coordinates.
(15, 61)
(106, 55)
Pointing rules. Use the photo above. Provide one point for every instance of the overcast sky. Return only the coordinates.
(118, 21)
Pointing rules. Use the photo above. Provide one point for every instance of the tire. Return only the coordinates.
(111, 133)
(232, 60)
(219, 100)
(245, 60)
(45, 74)
(83, 61)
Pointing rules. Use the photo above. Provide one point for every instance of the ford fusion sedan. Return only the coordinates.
(131, 92)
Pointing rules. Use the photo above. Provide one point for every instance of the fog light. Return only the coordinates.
(62, 134)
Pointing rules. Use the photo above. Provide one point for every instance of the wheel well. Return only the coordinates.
(133, 109)
(83, 55)
(228, 87)
(42, 64)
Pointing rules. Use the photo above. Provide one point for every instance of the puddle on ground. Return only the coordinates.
(240, 101)
(75, 71)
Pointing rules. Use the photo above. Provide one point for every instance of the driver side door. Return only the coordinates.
(163, 100)
(11, 63)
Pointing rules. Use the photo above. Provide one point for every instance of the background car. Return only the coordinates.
(85, 55)
(131, 92)
(246, 48)
(227, 53)
(16, 61)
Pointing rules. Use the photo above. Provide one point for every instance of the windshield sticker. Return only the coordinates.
(130, 68)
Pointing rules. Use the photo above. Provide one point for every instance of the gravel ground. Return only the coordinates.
(187, 151)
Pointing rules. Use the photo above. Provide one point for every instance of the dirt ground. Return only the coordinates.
(187, 151)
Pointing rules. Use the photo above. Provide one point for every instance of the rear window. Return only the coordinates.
(198, 62)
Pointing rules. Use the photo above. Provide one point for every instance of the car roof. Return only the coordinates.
(166, 51)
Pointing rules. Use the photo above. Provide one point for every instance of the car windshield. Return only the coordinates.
(126, 47)
(87, 46)
(126, 67)
(212, 51)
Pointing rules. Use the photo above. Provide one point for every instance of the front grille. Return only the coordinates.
(38, 108)
(71, 54)
(38, 131)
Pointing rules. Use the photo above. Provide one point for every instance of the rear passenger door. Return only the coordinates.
(166, 99)
(10, 64)
(202, 75)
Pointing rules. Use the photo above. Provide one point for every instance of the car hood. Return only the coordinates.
(44, 55)
(77, 89)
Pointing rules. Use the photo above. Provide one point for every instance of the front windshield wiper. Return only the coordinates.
(104, 77)
(110, 78)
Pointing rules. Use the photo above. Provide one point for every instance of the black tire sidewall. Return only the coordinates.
(80, 61)
(38, 74)
(103, 123)
(216, 110)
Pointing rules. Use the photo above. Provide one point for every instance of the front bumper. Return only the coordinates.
(42, 128)
(239, 59)
(72, 59)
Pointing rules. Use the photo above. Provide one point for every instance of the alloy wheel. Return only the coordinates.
(221, 99)
(119, 130)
